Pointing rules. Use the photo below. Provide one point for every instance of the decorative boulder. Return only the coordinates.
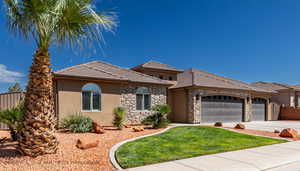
(289, 133)
(97, 128)
(138, 129)
(127, 126)
(239, 126)
(218, 124)
(84, 146)
(276, 131)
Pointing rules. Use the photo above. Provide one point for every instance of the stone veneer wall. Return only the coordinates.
(194, 106)
(128, 100)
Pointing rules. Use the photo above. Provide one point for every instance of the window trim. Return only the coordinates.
(143, 100)
(91, 99)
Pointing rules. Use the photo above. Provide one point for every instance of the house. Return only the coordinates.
(95, 88)
(287, 95)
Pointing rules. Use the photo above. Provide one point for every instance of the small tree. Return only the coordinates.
(119, 117)
(13, 119)
(159, 118)
(15, 88)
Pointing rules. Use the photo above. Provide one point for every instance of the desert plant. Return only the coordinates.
(13, 119)
(70, 23)
(119, 117)
(159, 118)
(77, 123)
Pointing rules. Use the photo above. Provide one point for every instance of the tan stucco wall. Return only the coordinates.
(282, 98)
(69, 100)
(157, 73)
(178, 102)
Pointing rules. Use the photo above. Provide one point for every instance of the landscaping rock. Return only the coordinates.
(239, 126)
(97, 128)
(276, 131)
(127, 126)
(218, 124)
(83, 146)
(138, 129)
(289, 132)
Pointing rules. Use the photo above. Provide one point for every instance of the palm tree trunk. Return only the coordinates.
(38, 127)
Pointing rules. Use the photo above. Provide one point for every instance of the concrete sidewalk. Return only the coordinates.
(278, 157)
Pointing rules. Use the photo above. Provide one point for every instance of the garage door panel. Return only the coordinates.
(222, 109)
(258, 109)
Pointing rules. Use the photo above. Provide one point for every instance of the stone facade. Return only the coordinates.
(128, 100)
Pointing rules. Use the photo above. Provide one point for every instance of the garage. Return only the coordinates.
(258, 109)
(221, 108)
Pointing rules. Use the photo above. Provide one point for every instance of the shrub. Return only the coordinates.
(13, 119)
(78, 123)
(119, 117)
(159, 118)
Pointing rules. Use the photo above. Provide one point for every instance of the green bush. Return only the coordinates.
(13, 119)
(159, 118)
(119, 117)
(78, 123)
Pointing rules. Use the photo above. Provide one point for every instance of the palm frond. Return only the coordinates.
(63, 22)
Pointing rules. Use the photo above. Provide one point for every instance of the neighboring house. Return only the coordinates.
(95, 88)
(287, 95)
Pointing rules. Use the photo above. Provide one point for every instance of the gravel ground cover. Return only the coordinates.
(69, 157)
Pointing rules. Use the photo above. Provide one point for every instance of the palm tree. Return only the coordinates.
(61, 22)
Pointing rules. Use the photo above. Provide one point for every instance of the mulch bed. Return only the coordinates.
(68, 156)
(261, 133)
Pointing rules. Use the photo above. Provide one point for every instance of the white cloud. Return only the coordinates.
(7, 76)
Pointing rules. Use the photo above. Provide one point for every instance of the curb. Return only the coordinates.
(112, 151)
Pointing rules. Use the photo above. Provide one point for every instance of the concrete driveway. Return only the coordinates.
(269, 125)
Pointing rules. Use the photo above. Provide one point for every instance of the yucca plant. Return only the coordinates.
(13, 119)
(119, 117)
(70, 23)
(159, 118)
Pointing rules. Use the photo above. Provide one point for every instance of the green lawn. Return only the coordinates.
(184, 142)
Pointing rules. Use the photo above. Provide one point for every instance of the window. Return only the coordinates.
(161, 77)
(91, 97)
(170, 78)
(143, 99)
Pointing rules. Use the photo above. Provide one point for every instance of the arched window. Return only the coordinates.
(91, 97)
(143, 99)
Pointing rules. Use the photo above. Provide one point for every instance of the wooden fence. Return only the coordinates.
(7, 101)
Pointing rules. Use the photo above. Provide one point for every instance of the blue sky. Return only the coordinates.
(247, 40)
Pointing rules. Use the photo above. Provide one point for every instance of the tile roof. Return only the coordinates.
(195, 77)
(275, 86)
(157, 65)
(102, 70)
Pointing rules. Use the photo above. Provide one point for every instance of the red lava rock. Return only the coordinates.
(218, 124)
(239, 126)
(83, 146)
(138, 129)
(127, 126)
(276, 131)
(97, 128)
(289, 132)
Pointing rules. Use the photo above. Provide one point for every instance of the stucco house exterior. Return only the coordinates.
(284, 94)
(96, 88)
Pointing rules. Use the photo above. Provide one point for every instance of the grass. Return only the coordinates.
(184, 142)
